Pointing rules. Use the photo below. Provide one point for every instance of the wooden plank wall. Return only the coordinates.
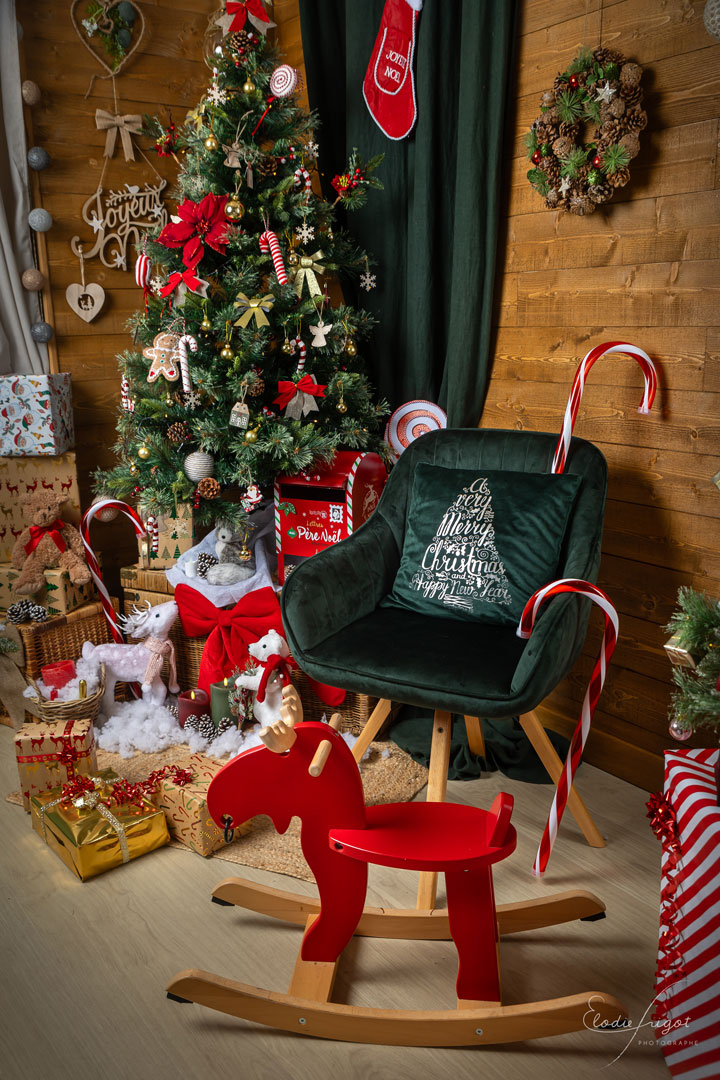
(167, 73)
(644, 269)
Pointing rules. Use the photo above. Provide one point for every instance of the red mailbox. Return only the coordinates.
(313, 512)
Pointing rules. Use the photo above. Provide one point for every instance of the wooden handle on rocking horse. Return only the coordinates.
(323, 751)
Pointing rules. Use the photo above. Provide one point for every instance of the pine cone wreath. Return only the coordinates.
(208, 488)
(26, 611)
(178, 432)
(619, 178)
(203, 563)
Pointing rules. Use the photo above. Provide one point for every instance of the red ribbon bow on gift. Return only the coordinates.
(306, 385)
(240, 9)
(232, 630)
(53, 531)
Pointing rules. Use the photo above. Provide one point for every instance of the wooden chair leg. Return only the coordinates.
(475, 737)
(374, 722)
(436, 789)
(547, 753)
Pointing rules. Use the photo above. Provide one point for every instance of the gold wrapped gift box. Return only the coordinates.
(185, 807)
(91, 839)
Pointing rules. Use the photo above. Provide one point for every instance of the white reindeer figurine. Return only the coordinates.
(139, 663)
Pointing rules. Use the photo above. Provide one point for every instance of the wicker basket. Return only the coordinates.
(62, 637)
(58, 712)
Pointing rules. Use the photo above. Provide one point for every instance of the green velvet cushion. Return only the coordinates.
(479, 542)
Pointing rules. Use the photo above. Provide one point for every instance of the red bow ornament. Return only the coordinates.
(238, 12)
(299, 397)
(185, 281)
(53, 531)
(195, 225)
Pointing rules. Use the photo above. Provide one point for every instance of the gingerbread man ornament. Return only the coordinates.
(163, 354)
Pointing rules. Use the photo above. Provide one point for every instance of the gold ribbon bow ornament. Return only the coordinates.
(253, 308)
(126, 125)
(308, 267)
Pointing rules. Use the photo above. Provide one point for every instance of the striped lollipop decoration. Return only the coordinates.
(592, 694)
(571, 410)
(95, 511)
(269, 242)
(410, 421)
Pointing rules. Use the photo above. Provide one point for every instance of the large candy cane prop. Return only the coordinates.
(269, 242)
(299, 346)
(582, 730)
(187, 341)
(571, 410)
(92, 562)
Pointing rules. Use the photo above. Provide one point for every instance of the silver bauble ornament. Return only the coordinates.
(41, 332)
(38, 158)
(40, 220)
(679, 730)
(198, 465)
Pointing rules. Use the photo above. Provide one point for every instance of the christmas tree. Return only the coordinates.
(242, 368)
(695, 647)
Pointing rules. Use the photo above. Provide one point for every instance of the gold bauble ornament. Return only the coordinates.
(251, 435)
(143, 452)
(211, 143)
(248, 87)
(293, 258)
(206, 325)
(226, 352)
(287, 346)
(350, 347)
(133, 469)
(234, 209)
(341, 407)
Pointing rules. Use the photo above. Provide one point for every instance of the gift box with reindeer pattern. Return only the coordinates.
(19, 475)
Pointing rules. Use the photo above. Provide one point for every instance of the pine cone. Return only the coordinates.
(192, 723)
(267, 165)
(617, 107)
(225, 724)
(26, 610)
(551, 167)
(552, 199)
(599, 193)
(582, 206)
(630, 75)
(568, 130)
(548, 100)
(608, 134)
(240, 41)
(206, 728)
(203, 563)
(257, 387)
(544, 133)
(634, 120)
(619, 178)
(178, 432)
(632, 97)
(607, 56)
(560, 84)
(208, 488)
(631, 143)
(562, 146)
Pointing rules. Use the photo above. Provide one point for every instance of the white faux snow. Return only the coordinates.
(84, 669)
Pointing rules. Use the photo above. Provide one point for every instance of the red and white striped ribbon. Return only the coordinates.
(153, 531)
(187, 341)
(571, 410)
(302, 177)
(125, 400)
(300, 346)
(91, 559)
(278, 536)
(579, 738)
(269, 242)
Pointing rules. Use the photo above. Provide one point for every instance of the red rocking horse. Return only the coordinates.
(307, 770)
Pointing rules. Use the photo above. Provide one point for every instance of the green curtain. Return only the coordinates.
(433, 230)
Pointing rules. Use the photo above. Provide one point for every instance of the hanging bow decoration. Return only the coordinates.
(53, 531)
(195, 225)
(254, 307)
(238, 12)
(308, 267)
(126, 125)
(299, 397)
(185, 281)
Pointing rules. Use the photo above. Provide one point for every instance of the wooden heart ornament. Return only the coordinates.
(85, 300)
(104, 24)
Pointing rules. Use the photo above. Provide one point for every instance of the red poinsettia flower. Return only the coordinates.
(200, 223)
(240, 9)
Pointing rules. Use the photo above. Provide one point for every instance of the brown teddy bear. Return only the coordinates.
(47, 542)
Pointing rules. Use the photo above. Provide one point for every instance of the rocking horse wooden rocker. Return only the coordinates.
(306, 769)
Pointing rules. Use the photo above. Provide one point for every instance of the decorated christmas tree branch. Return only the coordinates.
(695, 629)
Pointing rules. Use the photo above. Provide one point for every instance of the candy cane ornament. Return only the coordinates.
(592, 694)
(153, 531)
(125, 400)
(269, 242)
(302, 177)
(187, 341)
(299, 346)
(571, 410)
(91, 559)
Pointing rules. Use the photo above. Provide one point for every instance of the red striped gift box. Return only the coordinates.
(688, 980)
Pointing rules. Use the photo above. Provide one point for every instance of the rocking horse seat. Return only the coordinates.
(430, 836)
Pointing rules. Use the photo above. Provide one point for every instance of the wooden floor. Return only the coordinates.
(84, 966)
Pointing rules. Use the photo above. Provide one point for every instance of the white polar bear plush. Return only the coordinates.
(267, 711)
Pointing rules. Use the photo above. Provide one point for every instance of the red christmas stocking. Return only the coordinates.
(389, 86)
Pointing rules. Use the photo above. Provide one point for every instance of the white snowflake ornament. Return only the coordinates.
(156, 285)
(192, 400)
(368, 281)
(305, 233)
(311, 149)
(216, 95)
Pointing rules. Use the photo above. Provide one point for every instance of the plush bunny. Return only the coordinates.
(231, 567)
(47, 542)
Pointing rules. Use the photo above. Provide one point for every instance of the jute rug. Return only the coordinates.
(388, 775)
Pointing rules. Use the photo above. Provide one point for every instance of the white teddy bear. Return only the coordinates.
(267, 711)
